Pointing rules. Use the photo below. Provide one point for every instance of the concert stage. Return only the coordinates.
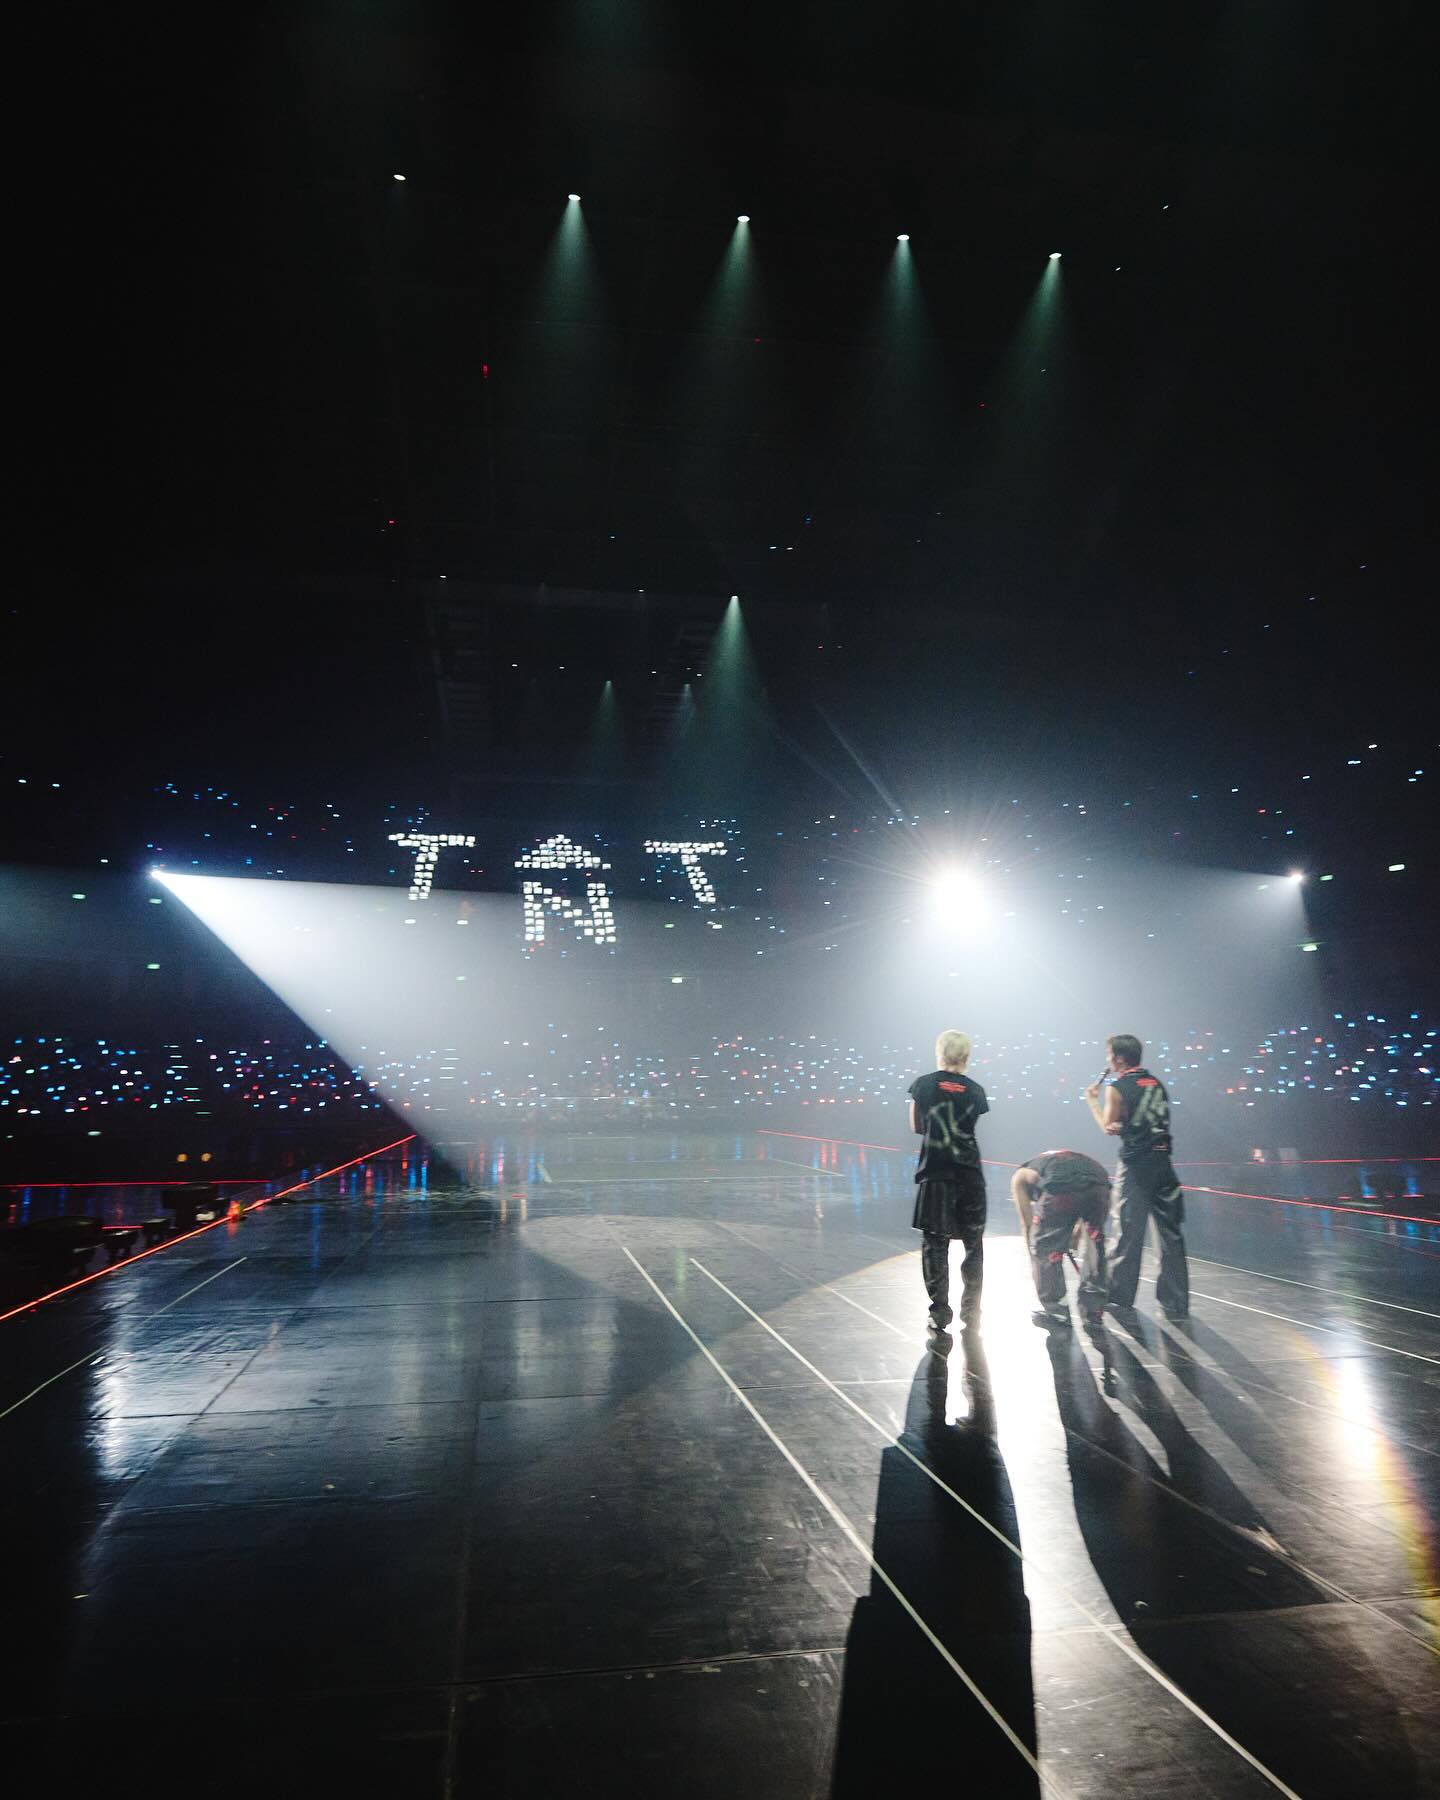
(623, 1462)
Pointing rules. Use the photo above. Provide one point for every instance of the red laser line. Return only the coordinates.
(855, 1143)
(1365, 1212)
(1312, 1162)
(1315, 1162)
(808, 1138)
(170, 1243)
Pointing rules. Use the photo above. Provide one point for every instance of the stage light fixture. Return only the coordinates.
(1297, 876)
(742, 218)
(574, 199)
(397, 178)
(1054, 256)
(904, 238)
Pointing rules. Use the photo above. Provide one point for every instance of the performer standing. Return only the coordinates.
(1136, 1109)
(1054, 1193)
(950, 1190)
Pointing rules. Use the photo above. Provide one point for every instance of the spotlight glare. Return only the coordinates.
(904, 238)
(397, 178)
(742, 218)
(574, 199)
(959, 899)
(1297, 876)
(1054, 256)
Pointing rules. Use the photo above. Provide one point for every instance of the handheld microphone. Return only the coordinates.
(1104, 1077)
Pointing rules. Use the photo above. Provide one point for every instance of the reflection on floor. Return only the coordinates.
(625, 1463)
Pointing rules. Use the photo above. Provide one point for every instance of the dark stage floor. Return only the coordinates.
(622, 1465)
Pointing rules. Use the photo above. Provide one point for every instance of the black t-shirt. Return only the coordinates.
(1145, 1112)
(948, 1104)
(1071, 1175)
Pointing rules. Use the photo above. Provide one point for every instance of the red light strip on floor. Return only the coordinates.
(170, 1181)
(1365, 1212)
(199, 1231)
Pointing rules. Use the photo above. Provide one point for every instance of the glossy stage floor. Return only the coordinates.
(623, 1465)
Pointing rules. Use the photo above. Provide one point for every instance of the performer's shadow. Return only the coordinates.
(1209, 1594)
(905, 1714)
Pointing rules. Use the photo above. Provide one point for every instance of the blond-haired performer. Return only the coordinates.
(950, 1184)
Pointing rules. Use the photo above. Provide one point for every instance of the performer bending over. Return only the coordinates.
(1136, 1109)
(1061, 1195)
(950, 1191)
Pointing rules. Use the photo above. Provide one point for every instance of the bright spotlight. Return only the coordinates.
(397, 177)
(573, 198)
(1297, 876)
(1054, 256)
(904, 238)
(959, 899)
(742, 218)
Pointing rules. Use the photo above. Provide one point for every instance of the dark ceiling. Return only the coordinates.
(271, 396)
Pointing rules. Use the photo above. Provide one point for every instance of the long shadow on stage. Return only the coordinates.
(905, 1716)
(1212, 1598)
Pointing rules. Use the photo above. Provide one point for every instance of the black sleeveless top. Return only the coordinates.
(1146, 1112)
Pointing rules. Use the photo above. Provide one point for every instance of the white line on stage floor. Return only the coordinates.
(790, 1163)
(1115, 1633)
(1305, 1325)
(1164, 1487)
(1016, 1742)
(96, 1355)
(1315, 1288)
(609, 1181)
(811, 1282)
(1184, 1345)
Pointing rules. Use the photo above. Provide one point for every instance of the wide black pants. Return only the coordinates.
(946, 1209)
(1052, 1226)
(1146, 1188)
